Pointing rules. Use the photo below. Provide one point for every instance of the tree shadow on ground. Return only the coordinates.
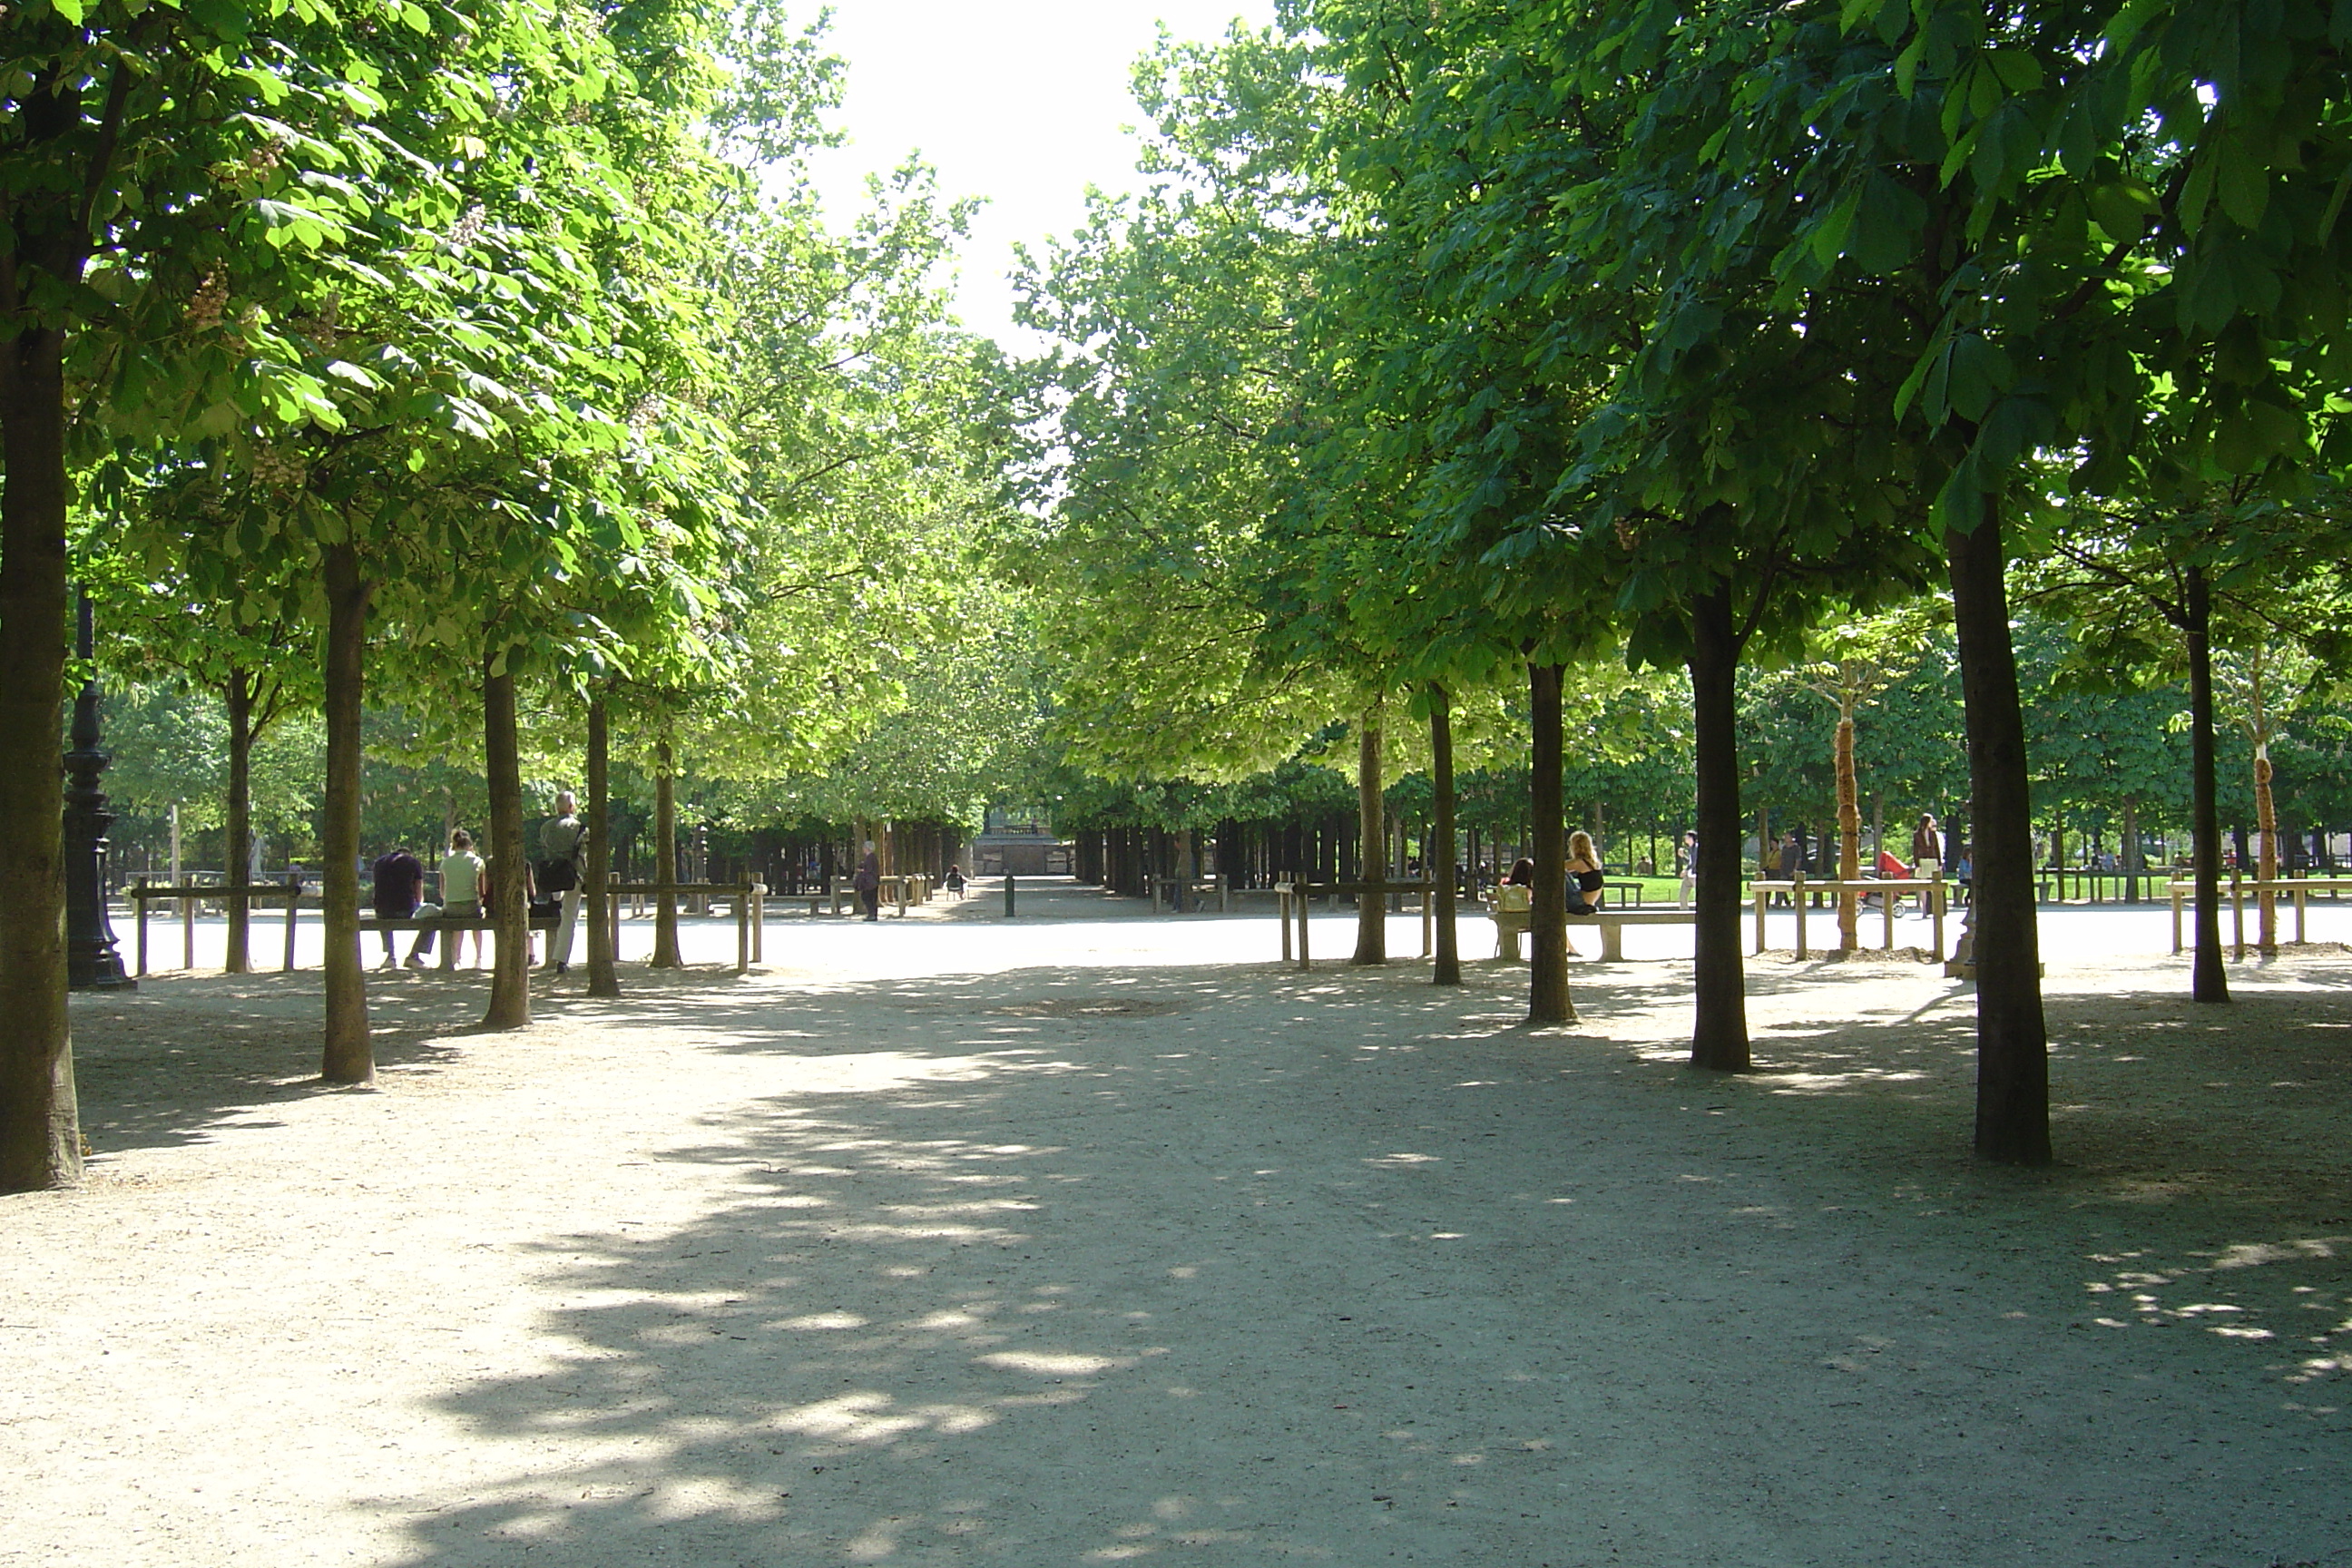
(928, 1325)
(164, 1065)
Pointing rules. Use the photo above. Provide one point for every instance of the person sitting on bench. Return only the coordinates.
(399, 884)
(1585, 876)
(461, 892)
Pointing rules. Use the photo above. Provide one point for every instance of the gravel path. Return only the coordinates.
(1098, 1237)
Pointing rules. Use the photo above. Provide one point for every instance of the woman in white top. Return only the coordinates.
(461, 890)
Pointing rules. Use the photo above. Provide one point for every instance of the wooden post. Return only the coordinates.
(1886, 903)
(2238, 913)
(2175, 886)
(743, 926)
(1761, 899)
(2300, 897)
(759, 922)
(1282, 908)
(293, 903)
(187, 931)
(1303, 913)
(138, 900)
(1935, 901)
(1797, 898)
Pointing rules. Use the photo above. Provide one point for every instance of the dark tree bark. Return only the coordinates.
(666, 954)
(2013, 1042)
(2208, 981)
(237, 851)
(41, 1129)
(349, 1057)
(45, 247)
(1547, 999)
(603, 979)
(509, 881)
(2131, 856)
(1437, 860)
(1718, 974)
(1371, 864)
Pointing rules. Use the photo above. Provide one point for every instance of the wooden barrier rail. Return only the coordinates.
(1298, 896)
(2299, 888)
(750, 911)
(1932, 891)
(190, 896)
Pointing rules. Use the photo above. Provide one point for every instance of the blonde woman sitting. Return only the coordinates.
(1584, 875)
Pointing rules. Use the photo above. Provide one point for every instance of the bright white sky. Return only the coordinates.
(1018, 101)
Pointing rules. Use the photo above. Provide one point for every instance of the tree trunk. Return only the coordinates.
(603, 979)
(1437, 855)
(1547, 999)
(2131, 851)
(666, 862)
(2265, 810)
(1718, 979)
(510, 889)
(2012, 1041)
(2266, 851)
(1849, 815)
(237, 851)
(41, 1129)
(1371, 908)
(348, 1057)
(2208, 981)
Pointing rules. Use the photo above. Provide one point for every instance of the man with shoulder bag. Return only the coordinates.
(558, 873)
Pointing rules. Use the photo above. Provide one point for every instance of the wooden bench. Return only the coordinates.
(444, 923)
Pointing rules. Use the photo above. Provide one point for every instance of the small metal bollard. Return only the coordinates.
(1008, 895)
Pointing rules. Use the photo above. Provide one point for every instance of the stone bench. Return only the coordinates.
(1512, 924)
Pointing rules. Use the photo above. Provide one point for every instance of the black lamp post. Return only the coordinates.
(91, 963)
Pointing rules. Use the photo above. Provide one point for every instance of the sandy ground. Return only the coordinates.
(1096, 1237)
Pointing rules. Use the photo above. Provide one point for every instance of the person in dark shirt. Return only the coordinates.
(399, 880)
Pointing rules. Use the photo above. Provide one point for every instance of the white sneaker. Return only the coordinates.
(415, 962)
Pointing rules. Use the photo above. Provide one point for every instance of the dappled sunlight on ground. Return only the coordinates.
(1037, 1253)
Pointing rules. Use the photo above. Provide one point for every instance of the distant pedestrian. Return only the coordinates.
(868, 882)
(1926, 844)
(558, 873)
(1688, 854)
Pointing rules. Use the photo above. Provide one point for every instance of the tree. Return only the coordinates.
(153, 154)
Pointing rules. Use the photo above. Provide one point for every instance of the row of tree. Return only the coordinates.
(1508, 346)
(488, 367)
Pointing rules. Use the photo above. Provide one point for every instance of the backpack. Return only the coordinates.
(562, 875)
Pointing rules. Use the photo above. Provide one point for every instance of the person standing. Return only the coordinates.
(559, 872)
(1689, 867)
(398, 880)
(461, 893)
(868, 882)
(1926, 844)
